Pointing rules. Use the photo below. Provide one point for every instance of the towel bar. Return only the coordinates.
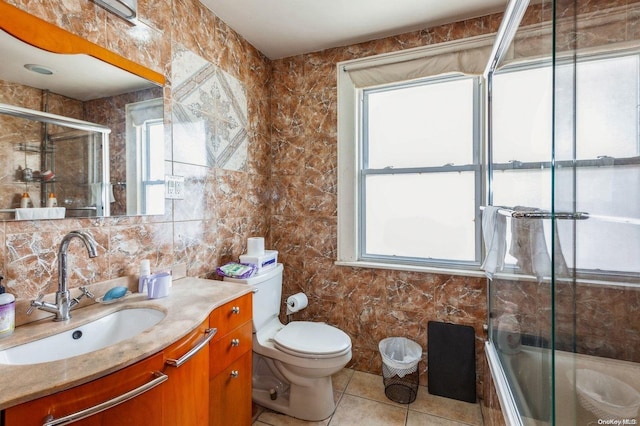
(540, 214)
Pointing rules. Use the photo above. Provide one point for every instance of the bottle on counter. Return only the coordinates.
(7, 312)
(52, 201)
(145, 271)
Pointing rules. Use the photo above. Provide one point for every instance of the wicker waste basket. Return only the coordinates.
(400, 374)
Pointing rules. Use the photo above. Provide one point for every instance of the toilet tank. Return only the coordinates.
(267, 294)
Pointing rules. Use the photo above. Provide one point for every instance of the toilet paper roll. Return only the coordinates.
(255, 246)
(296, 303)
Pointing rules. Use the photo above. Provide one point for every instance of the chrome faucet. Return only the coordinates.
(64, 301)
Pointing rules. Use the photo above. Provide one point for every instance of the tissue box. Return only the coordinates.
(263, 263)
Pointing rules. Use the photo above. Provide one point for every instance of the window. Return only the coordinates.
(151, 135)
(145, 157)
(419, 186)
(604, 179)
(410, 174)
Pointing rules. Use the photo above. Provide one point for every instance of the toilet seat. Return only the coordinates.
(312, 340)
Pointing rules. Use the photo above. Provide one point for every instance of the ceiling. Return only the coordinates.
(283, 28)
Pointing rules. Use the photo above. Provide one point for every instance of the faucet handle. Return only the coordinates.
(85, 292)
(35, 303)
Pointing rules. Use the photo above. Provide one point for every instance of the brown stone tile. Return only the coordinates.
(354, 410)
(341, 379)
(369, 386)
(447, 408)
(415, 418)
(277, 419)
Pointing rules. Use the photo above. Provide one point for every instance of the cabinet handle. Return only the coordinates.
(235, 310)
(83, 414)
(210, 332)
(235, 342)
(234, 374)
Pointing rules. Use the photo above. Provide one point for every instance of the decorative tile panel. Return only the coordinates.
(210, 113)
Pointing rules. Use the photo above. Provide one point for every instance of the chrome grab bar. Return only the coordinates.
(540, 214)
(83, 414)
(543, 214)
(184, 358)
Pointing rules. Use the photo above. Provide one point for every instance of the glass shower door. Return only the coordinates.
(520, 161)
(564, 164)
(597, 176)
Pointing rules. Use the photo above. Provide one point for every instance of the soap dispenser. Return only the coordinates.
(7, 311)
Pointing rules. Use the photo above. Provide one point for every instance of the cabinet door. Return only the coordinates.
(231, 394)
(186, 396)
(228, 348)
(144, 379)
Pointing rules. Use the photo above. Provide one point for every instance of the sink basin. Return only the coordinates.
(97, 334)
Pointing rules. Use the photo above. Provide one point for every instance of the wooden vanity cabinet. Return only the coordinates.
(186, 396)
(230, 364)
(203, 378)
(143, 409)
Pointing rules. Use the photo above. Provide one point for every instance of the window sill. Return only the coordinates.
(412, 268)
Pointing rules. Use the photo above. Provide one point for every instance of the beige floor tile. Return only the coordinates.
(448, 408)
(259, 423)
(354, 410)
(369, 386)
(415, 418)
(276, 419)
(341, 379)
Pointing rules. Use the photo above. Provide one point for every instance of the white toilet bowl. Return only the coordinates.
(293, 363)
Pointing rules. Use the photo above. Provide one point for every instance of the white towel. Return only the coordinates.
(494, 231)
(95, 190)
(529, 246)
(95, 194)
(40, 213)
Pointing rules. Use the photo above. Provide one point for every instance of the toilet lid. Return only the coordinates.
(312, 338)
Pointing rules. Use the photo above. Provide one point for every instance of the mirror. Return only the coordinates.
(83, 124)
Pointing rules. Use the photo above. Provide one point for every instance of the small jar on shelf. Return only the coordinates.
(52, 201)
(25, 201)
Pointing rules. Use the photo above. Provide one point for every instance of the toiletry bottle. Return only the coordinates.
(145, 271)
(25, 201)
(7, 312)
(52, 201)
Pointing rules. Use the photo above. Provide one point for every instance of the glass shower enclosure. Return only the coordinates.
(563, 160)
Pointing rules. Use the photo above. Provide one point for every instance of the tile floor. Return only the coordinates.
(361, 401)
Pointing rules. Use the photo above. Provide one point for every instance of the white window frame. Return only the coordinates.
(348, 111)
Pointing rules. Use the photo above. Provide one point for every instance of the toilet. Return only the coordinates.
(293, 363)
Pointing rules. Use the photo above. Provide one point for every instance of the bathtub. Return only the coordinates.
(523, 385)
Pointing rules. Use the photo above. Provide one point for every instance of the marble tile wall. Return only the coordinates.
(369, 304)
(225, 201)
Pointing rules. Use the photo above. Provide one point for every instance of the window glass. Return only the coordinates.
(607, 113)
(425, 216)
(521, 108)
(421, 174)
(606, 130)
(421, 125)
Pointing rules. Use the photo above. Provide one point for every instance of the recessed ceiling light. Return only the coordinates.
(40, 69)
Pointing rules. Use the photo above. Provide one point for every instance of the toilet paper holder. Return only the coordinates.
(296, 302)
